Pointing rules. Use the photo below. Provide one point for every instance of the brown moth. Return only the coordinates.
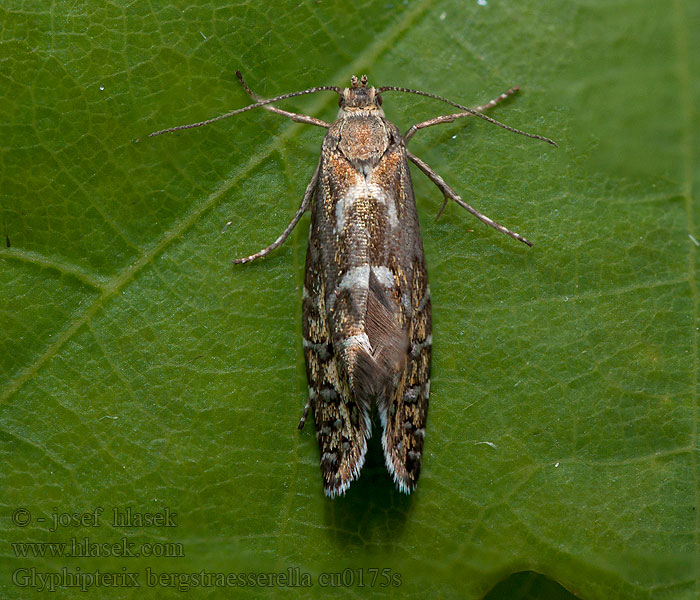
(366, 300)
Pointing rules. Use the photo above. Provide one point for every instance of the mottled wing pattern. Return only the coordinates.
(406, 409)
(342, 424)
(366, 304)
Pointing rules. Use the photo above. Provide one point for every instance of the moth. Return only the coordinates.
(366, 300)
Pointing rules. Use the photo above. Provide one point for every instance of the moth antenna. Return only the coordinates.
(469, 110)
(313, 90)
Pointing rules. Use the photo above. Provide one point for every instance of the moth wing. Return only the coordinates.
(342, 423)
(405, 409)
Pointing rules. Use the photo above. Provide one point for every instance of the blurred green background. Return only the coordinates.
(140, 370)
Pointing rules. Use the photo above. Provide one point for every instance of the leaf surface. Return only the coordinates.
(141, 370)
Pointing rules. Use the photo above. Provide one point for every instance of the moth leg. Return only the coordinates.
(303, 207)
(450, 194)
(285, 113)
(302, 421)
(449, 118)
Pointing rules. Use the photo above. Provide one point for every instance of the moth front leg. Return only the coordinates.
(285, 113)
(450, 118)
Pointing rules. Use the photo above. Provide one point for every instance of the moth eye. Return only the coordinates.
(340, 101)
(379, 100)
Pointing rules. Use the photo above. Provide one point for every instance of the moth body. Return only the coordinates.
(366, 301)
(366, 307)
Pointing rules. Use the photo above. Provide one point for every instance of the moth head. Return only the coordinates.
(360, 97)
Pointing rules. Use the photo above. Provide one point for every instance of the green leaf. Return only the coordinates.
(140, 370)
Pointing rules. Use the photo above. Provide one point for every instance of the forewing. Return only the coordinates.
(342, 424)
(406, 409)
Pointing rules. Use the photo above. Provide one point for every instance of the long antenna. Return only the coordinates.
(469, 110)
(323, 88)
